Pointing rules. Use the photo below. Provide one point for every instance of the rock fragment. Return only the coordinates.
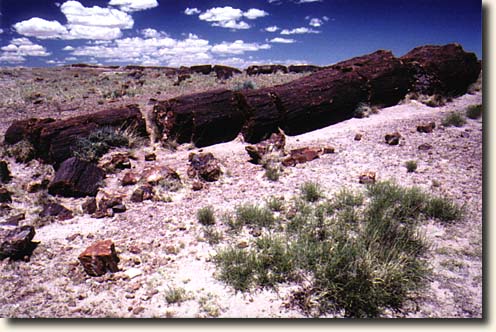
(99, 258)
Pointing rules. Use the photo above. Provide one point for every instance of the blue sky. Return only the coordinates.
(230, 32)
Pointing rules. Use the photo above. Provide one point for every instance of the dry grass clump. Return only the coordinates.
(455, 119)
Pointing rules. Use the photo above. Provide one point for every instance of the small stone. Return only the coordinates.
(119, 208)
(144, 192)
(129, 179)
(424, 147)
(205, 166)
(150, 156)
(367, 178)
(89, 206)
(56, 210)
(426, 128)
(328, 149)
(14, 220)
(243, 244)
(17, 243)
(134, 249)
(171, 250)
(72, 237)
(138, 310)
(197, 185)
(5, 196)
(393, 139)
(5, 176)
(133, 273)
(129, 296)
(99, 258)
(358, 137)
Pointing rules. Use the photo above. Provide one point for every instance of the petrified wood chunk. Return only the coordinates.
(4, 172)
(25, 129)
(426, 128)
(143, 193)
(205, 166)
(99, 258)
(76, 178)
(367, 178)
(303, 68)
(225, 72)
(5, 195)
(56, 210)
(266, 69)
(275, 143)
(203, 118)
(301, 155)
(445, 70)
(393, 139)
(201, 69)
(16, 243)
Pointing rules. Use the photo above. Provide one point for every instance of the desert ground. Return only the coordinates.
(164, 249)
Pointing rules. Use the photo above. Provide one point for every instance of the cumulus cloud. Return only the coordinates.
(134, 5)
(307, 1)
(229, 17)
(19, 49)
(40, 28)
(238, 47)
(315, 22)
(273, 28)
(152, 33)
(282, 40)
(192, 11)
(82, 23)
(1, 31)
(301, 30)
(68, 48)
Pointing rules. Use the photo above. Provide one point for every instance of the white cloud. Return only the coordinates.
(68, 48)
(307, 1)
(282, 40)
(254, 13)
(95, 16)
(238, 47)
(152, 33)
(229, 17)
(19, 49)
(273, 28)
(134, 5)
(1, 31)
(316, 22)
(325, 18)
(192, 11)
(40, 28)
(301, 30)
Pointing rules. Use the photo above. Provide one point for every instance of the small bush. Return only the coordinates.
(362, 111)
(311, 191)
(454, 119)
(206, 216)
(99, 142)
(276, 204)
(212, 235)
(474, 111)
(272, 173)
(22, 151)
(443, 209)
(175, 295)
(249, 214)
(411, 166)
(236, 267)
(246, 85)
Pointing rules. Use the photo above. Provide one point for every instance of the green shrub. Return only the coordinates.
(311, 191)
(99, 142)
(23, 151)
(236, 267)
(411, 166)
(453, 119)
(212, 235)
(474, 111)
(206, 216)
(254, 215)
(443, 209)
(276, 204)
(272, 173)
(175, 295)
(246, 85)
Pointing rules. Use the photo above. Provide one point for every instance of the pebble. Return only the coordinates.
(133, 273)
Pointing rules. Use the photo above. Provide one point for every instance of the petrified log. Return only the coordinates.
(303, 68)
(99, 258)
(201, 69)
(76, 178)
(203, 118)
(262, 114)
(446, 70)
(25, 129)
(266, 69)
(225, 72)
(16, 243)
(387, 77)
(319, 100)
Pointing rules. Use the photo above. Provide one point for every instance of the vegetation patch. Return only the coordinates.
(474, 111)
(355, 254)
(455, 119)
(98, 143)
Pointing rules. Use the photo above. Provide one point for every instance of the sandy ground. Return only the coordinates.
(161, 244)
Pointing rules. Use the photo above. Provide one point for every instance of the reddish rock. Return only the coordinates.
(25, 130)
(426, 128)
(17, 243)
(204, 166)
(5, 196)
(36, 186)
(99, 258)
(5, 176)
(89, 206)
(328, 150)
(129, 179)
(116, 161)
(358, 137)
(56, 211)
(367, 178)
(393, 139)
(76, 178)
(302, 155)
(197, 185)
(275, 143)
(143, 193)
(160, 174)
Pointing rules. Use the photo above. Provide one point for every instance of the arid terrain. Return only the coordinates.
(167, 266)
